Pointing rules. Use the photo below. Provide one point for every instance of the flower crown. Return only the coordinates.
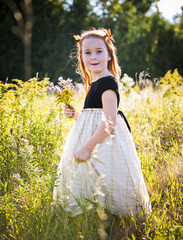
(108, 34)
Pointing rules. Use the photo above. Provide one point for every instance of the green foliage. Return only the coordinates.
(143, 41)
(33, 130)
(148, 42)
(31, 125)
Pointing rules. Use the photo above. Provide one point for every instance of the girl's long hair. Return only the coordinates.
(113, 65)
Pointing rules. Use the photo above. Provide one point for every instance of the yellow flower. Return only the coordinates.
(170, 83)
(66, 96)
(136, 88)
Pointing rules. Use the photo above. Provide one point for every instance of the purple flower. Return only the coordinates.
(51, 84)
(16, 175)
(23, 140)
(68, 81)
(64, 83)
(60, 79)
(51, 89)
(58, 89)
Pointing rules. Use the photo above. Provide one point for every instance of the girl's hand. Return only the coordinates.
(82, 155)
(69, 111)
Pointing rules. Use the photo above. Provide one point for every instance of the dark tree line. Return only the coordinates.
(37, 36)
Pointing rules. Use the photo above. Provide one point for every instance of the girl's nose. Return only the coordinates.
(93, 56)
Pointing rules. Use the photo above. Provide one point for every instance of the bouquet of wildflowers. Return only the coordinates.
(64, 91)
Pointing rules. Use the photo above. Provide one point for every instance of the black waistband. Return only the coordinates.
(123, 116)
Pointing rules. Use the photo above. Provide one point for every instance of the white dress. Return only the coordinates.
(112, 176)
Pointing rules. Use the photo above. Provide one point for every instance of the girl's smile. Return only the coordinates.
(95, 57)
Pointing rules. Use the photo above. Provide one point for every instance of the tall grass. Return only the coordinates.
(33, 130)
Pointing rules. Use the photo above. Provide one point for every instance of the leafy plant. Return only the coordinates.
(33, 131)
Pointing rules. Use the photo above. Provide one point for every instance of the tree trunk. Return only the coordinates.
(27, 39)
(23, 30)
(27, 60)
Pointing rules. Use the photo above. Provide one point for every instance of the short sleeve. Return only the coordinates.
(109, 84)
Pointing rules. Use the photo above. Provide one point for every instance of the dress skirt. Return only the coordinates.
(112, 176)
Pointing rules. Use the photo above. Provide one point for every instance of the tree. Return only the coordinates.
(142, 41)
(23, 30)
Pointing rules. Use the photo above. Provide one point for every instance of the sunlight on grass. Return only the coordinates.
(33, 131)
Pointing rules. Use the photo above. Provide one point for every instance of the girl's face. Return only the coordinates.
(95, 57)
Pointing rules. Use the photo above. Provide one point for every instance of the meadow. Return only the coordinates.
(33, 130)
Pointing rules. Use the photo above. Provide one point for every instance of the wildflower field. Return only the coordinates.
(33, 130)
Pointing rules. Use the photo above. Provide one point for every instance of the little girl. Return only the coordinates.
(99, 160)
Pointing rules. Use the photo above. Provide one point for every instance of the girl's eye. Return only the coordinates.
(87, 53)
(99, 51)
